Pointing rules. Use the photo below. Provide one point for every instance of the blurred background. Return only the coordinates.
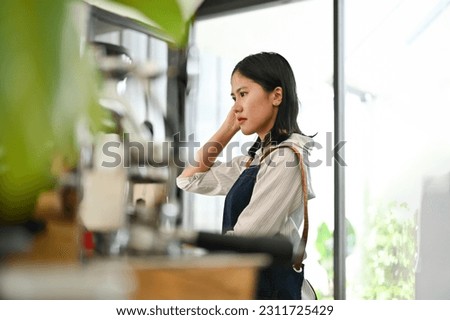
(395, 134)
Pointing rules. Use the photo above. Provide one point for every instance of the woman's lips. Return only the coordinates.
(241, 120)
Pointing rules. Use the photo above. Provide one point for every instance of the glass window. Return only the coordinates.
(398, 79)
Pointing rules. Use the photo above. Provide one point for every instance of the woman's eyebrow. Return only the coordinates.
(239, 90)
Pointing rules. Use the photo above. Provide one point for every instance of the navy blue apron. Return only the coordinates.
(277, 282)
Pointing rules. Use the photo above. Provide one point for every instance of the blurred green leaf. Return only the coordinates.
(389, 254)
(30, 64)
(45, 87)
(324, 245)
(173, 18)
(324, 241)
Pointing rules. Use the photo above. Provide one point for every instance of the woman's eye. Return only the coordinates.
(242, 93)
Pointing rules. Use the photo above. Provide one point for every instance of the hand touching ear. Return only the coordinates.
(207, 154)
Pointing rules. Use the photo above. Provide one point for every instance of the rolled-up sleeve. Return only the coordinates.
(218, 180)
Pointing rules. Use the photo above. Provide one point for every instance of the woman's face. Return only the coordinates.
(255, 108)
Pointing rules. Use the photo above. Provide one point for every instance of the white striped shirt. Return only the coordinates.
(276, 205)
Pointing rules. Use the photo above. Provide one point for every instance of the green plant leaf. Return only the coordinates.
(37, 116)
(173, 18)
(30, 64)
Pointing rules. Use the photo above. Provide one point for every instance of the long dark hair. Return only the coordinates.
(271, 70)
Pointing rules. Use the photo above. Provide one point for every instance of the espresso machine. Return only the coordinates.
(114, 220)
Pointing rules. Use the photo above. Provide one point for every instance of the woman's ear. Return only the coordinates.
(277, 96)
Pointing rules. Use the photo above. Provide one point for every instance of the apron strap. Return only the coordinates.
(249, 161)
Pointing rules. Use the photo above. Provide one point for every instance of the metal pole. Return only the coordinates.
(339, 173)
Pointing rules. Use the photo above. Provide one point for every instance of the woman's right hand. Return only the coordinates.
(231, 123)
(207, 154)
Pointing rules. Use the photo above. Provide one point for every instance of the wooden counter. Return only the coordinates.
(209, 277)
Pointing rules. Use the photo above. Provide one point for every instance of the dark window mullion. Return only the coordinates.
(339, 173)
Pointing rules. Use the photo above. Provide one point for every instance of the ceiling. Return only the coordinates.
(212, 8)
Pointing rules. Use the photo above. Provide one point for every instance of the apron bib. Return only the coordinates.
(275, 282)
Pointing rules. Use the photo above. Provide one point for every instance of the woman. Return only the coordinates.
(264, 194)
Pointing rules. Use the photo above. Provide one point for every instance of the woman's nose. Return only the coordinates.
(237, 107)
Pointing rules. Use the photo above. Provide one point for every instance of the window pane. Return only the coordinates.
(397, 73)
